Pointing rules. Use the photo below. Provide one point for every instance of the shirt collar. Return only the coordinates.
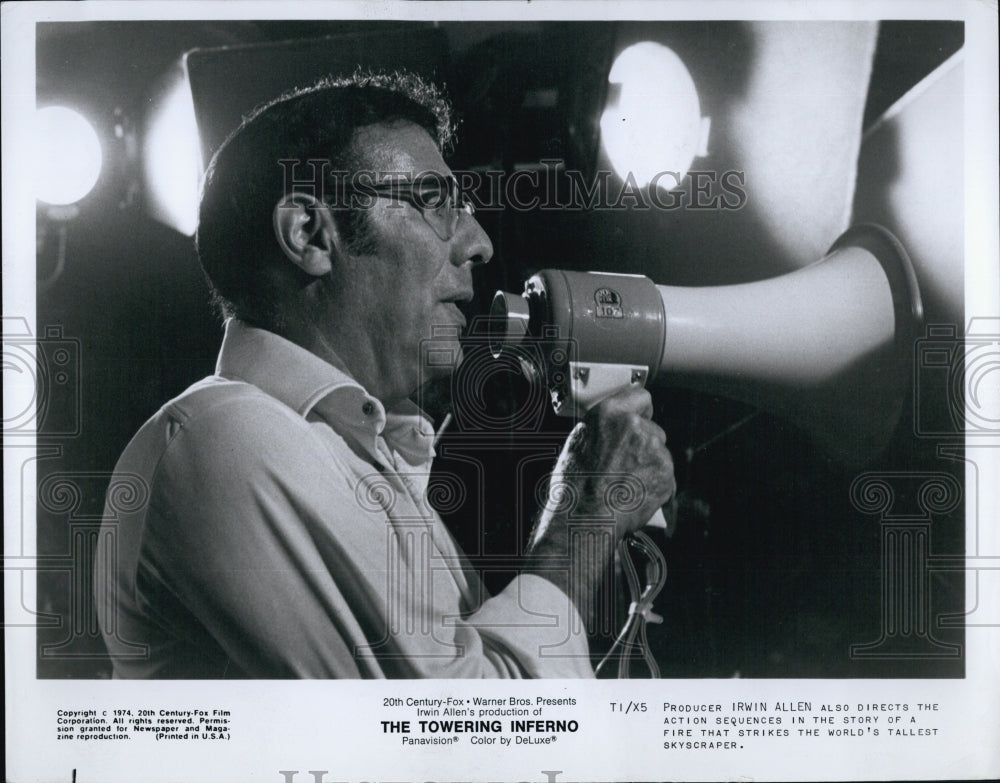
(310, 385)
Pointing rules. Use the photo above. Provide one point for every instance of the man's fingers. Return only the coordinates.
(665, 480)
(633, 399)
(657, 432)
(672, 486)
(623, 439)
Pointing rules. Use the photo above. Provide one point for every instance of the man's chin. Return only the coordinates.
(440, 358)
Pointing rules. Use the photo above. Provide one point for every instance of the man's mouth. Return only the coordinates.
(455, 306)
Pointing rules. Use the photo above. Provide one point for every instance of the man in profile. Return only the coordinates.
(286, 532)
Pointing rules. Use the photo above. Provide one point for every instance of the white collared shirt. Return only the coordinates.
(279, 528)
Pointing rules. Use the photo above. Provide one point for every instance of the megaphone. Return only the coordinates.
(827, 346)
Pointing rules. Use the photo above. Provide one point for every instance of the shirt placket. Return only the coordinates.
(438, 561)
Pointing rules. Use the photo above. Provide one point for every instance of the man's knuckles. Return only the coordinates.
(627, 401)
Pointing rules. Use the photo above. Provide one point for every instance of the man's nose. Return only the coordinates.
(474, 244)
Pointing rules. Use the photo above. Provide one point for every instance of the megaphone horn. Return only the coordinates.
(827, 346)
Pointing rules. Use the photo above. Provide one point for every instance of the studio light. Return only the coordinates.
(172, 157)
(67, 156)
(652, 123)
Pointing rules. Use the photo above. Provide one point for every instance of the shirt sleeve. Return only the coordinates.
(257, 526)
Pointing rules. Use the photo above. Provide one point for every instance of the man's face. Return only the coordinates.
(411, 286)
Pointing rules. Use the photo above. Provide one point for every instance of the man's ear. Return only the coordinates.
(306, 233)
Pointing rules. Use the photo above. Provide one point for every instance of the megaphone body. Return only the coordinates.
(827, 346)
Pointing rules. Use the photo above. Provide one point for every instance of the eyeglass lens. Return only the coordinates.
(441, 197)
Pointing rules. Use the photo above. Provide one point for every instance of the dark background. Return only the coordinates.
(772, 570)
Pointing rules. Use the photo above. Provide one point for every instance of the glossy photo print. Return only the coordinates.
(644, 354)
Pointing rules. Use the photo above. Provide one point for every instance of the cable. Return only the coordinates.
(640, 611)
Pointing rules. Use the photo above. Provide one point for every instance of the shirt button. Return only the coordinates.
(368, 409)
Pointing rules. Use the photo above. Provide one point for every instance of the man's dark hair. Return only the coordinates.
(247, 178)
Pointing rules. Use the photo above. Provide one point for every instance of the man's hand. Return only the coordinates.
(612, 475)
(617, 458)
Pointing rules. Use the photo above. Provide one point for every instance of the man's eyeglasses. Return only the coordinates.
(438, 198)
